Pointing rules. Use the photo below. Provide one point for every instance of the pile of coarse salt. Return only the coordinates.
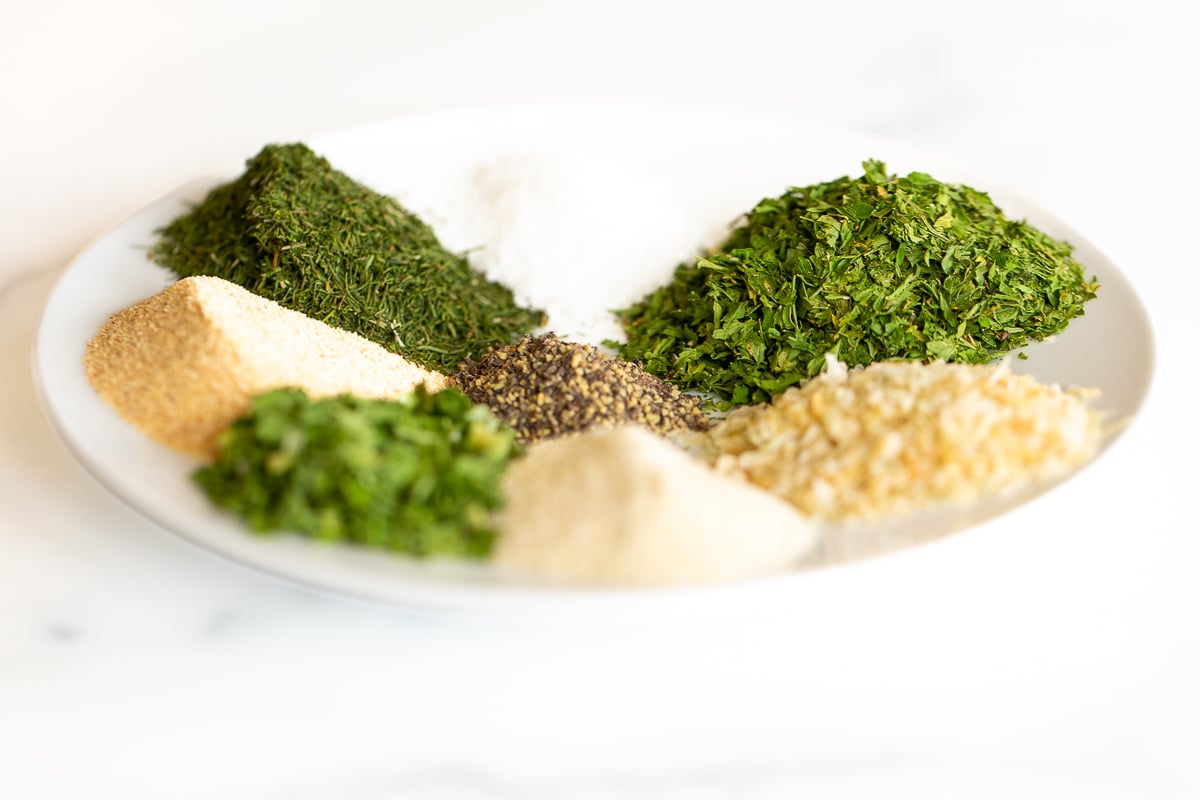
(575, 234)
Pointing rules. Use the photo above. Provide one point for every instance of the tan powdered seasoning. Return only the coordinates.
(181, 365)
(898, 436)
(622, 506)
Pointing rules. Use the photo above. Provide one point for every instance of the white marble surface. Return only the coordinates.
(1053, 653)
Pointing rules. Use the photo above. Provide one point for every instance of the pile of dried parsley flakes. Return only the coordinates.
(866, 269)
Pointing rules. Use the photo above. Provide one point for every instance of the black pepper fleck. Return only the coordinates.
(544, 387)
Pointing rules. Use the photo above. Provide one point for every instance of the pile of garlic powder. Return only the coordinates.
(623, 506)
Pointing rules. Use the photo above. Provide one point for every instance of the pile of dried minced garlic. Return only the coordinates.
(899, 436)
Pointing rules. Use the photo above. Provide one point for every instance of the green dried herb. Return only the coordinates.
(418, 475)
(868, 269)
(297, 231)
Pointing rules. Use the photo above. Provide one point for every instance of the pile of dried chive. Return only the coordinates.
(417, 475)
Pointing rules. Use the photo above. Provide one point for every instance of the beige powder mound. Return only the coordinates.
(623, 506)
(899, 436)
(181, 365)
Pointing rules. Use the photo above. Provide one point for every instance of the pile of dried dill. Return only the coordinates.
(298, 232)
(544, 387)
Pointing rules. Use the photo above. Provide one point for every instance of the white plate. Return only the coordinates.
(719, 165)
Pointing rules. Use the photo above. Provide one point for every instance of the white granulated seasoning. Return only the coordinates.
(181, 365)
(894, 437)
(622, 506)
(575, 234)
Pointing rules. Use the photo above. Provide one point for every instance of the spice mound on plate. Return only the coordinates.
(297, 231)
(869, 269)
(182, 364)
(574, 232)
(625, 507)
(894, 437)
(419, 474)
(544, 387)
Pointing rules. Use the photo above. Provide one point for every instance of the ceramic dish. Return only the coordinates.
(716, 170)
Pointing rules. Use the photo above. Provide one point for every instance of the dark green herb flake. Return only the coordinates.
(868, 269)
(419, 475)
(298, 232)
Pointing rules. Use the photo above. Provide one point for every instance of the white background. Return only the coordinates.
(1063, 665)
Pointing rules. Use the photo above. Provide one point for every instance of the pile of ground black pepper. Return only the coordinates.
(544, 387)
